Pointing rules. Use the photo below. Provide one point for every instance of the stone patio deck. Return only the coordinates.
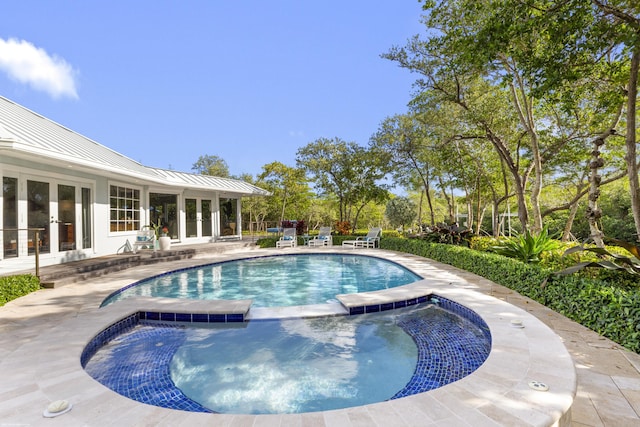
(608, 377)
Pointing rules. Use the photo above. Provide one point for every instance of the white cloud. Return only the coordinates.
(27, 64)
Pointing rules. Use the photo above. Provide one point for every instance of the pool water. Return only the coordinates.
(275, 281)
(292, 365)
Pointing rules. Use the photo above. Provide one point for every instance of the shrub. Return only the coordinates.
(12, 287)
(451, 234)
(482, 243)
(343, 228)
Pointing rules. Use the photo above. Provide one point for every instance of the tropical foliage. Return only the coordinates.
(527, 247)
(607, 260)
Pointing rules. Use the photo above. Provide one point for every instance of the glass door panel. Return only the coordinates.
(66, 217)
(206, 218)
(86, 218)
(163, 210)
(38, 216)
(10, 217)
(191, 217)
(228, 216)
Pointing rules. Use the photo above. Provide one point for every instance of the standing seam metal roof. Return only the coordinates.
(32, 133)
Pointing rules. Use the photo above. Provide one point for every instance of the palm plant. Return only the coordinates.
(527, 247)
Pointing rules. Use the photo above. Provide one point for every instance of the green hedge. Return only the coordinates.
(12, 287)
(609, 310)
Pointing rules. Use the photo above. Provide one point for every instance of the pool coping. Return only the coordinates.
(498, 393)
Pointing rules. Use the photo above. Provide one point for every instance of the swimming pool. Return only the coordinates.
(293, 365)
(275, 281)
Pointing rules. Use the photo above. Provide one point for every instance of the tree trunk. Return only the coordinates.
(630, 141)
(480, 217)
(593, 212)
(420, 210)
(519, 182)
(284, 202)
(427, 186)
(524, 108)
(566, 234)
(443, 188)
(430, 203)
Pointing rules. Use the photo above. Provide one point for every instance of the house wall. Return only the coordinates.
(104, 240)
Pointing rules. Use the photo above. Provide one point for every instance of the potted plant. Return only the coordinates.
(164, 239)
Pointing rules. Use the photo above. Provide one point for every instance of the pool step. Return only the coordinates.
(54, 276)
(78, 271)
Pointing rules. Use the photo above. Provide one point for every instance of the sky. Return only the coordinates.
(165, 82)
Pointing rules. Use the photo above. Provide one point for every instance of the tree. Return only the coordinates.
(211, 165)
(254, 209)
(400, 211)
(570, 48)
(519, 51)
(291, 193)
(344, 170)
(402, 144)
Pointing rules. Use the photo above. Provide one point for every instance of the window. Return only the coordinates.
(125, 208)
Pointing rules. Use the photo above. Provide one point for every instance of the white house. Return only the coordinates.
(88, 200)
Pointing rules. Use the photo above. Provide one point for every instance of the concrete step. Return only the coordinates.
(77, 271)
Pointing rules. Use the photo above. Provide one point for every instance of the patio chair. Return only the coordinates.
(288, 239)
(323, 238)
(145, 238)
(371, 240)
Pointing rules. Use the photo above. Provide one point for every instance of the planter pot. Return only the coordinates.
(165, 243)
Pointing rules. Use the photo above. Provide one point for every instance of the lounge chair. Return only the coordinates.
(371, 240)
(288, 239)
(323, 238)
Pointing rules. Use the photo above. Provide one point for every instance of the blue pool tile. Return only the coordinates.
(199, 317)
(386, 306)
(235, 318)
(372, 308)
(217, 318)
(168, 317)
(356, 310)
(183, 317)
(150, 315)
